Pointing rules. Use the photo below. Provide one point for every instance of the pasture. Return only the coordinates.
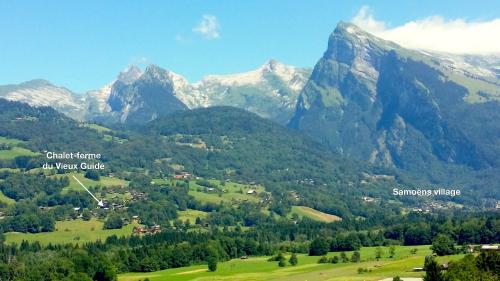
(259, 269)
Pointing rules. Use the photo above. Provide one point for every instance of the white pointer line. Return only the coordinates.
(99, 202)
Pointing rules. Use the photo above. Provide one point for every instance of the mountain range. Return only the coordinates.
(366, 98)
(138, 96)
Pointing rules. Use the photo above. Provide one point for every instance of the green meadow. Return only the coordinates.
(103, 181)
(6, 199)
(191, 215)
(72, 231)
(4, 140)
(303, 211)
(308, 268)
(99, 128)
(8, 154)
(230, 192)
(15, 150)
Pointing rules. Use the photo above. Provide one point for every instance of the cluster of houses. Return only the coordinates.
(147, 230)
(306, 181)
(182, 176)
(368, 178)
(434, 205)
(137, 195)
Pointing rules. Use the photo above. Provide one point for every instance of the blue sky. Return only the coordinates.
(84, 45)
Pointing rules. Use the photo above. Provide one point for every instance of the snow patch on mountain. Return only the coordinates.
(45, 95)
(285, 72)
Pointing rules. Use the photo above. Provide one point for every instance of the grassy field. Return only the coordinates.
(12, 170)
(12, 153)
(231, 192)
(191, 215)
(74, 231)
(8, 154)
(99, 128)
(6, 199)
(258, 268)
(103, 181)
(4, 140)
(303, 211)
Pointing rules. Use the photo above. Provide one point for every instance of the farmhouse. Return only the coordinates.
(147, 230)
(490, 248)
(251, 191)
(418, 269)
(182, 176)
(368, 199)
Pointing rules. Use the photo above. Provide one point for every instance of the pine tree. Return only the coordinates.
(432, 270)
(212, 263)
(293, 259)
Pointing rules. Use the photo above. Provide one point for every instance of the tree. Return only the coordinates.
(212, 258)
(281, 263)
(397, 278)
(378, 253)
(114, 221)
(319, 247)
(471, 268)
(343, 257)
(86, 215)
(278, 257)
(92, 175)
(335, 259)
(198, 221)
(212, 263)
(293, 259)
(392, 251)
(78, 277)
(489, 261)
(323, 259)
(105, 270)
(443, 245)
(149, 264)
(432, 270)
(356, 256)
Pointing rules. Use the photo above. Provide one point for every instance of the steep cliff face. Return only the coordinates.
(374, 100)
(145, 98)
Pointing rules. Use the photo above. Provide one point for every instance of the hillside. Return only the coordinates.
(218, 142)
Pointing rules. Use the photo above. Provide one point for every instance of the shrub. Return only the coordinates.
(323, 259)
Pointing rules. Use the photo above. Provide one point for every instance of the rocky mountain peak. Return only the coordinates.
(154, 72)
(130, 74)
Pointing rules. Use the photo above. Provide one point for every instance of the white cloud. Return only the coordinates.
(208, 27)
(435, 33)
